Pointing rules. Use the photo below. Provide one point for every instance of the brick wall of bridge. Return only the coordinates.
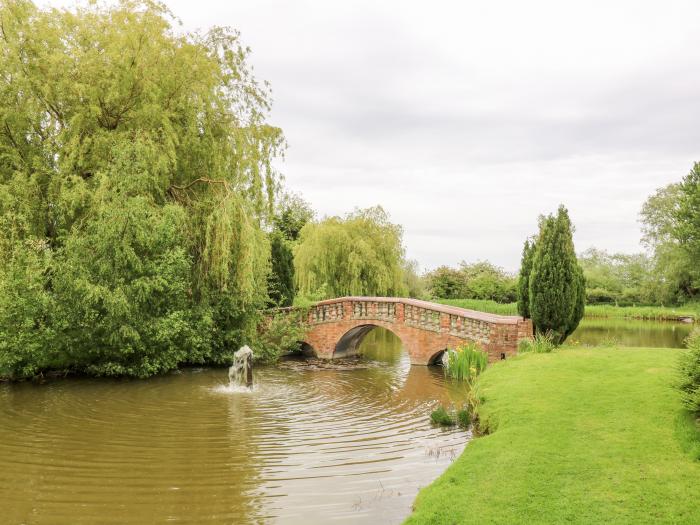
(425, 329)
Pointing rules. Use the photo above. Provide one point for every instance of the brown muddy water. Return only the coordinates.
(308, 445)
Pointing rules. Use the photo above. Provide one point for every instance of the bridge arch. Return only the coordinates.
(436, 357)
(349, 343)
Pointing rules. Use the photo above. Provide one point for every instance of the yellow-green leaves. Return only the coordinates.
(359, 255)
(141, 158)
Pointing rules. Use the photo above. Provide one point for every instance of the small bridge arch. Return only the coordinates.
(337, 326)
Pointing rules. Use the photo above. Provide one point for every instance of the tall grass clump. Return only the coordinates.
(466, 362)
(689, 374)
(442, 417)
(540, 344)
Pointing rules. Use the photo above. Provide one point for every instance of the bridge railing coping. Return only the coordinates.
(435, 307)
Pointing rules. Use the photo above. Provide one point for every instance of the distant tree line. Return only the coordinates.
(669, 272)
(479, 280)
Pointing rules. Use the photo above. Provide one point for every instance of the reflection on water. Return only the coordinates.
(631, 332)
(306, 446)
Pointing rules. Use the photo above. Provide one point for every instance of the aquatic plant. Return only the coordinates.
(466, 362)
(463, 418)
(442, 417)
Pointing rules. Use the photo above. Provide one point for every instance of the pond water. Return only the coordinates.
(308, 445)
(631, 332)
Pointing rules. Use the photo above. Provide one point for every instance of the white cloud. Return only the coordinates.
(466, 120)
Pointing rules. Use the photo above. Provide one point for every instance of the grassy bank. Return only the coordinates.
(659, 313)
(578, 436)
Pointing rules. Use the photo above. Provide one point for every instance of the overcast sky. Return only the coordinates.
(466, 120)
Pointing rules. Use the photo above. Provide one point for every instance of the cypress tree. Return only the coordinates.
(556, 285)
(524, 279)
(580, 301)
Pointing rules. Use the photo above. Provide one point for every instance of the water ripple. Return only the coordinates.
(300, 447)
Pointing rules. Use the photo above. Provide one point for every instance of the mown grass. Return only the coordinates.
(658, 313)
(577, 436)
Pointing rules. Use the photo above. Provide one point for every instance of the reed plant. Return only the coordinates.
(540, 344)
(442, 417)
(463, 418)
(466, 362)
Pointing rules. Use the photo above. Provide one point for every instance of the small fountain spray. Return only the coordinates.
(241, 373)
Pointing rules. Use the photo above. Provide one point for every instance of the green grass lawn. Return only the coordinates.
(580, 436)
(594, 310)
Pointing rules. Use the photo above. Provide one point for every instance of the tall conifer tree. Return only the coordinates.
(556, 285)
(524, 279)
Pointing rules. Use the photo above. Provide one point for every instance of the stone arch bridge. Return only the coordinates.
(337, 326)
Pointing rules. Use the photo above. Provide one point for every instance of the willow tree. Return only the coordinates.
(361, 254)
(135, 173)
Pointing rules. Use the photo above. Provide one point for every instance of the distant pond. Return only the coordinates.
(632, 332)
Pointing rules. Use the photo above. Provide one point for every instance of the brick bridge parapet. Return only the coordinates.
(337, 326)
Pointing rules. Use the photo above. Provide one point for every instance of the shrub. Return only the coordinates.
(689, 374)
(466, 362)
(280, 333)
(441, 417)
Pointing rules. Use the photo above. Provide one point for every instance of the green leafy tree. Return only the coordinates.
(446, 283)
(483, 280)
(479, 280)
(677, 272)
(686, 228)
(524, 279)
(413, 281)
(556, 282)
(292, 215)
(136, 170)
(280, 284)
(361, 254)
(618, 278)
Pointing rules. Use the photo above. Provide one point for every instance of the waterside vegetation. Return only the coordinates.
(574, 436)
(690, 311)
(466, 362)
